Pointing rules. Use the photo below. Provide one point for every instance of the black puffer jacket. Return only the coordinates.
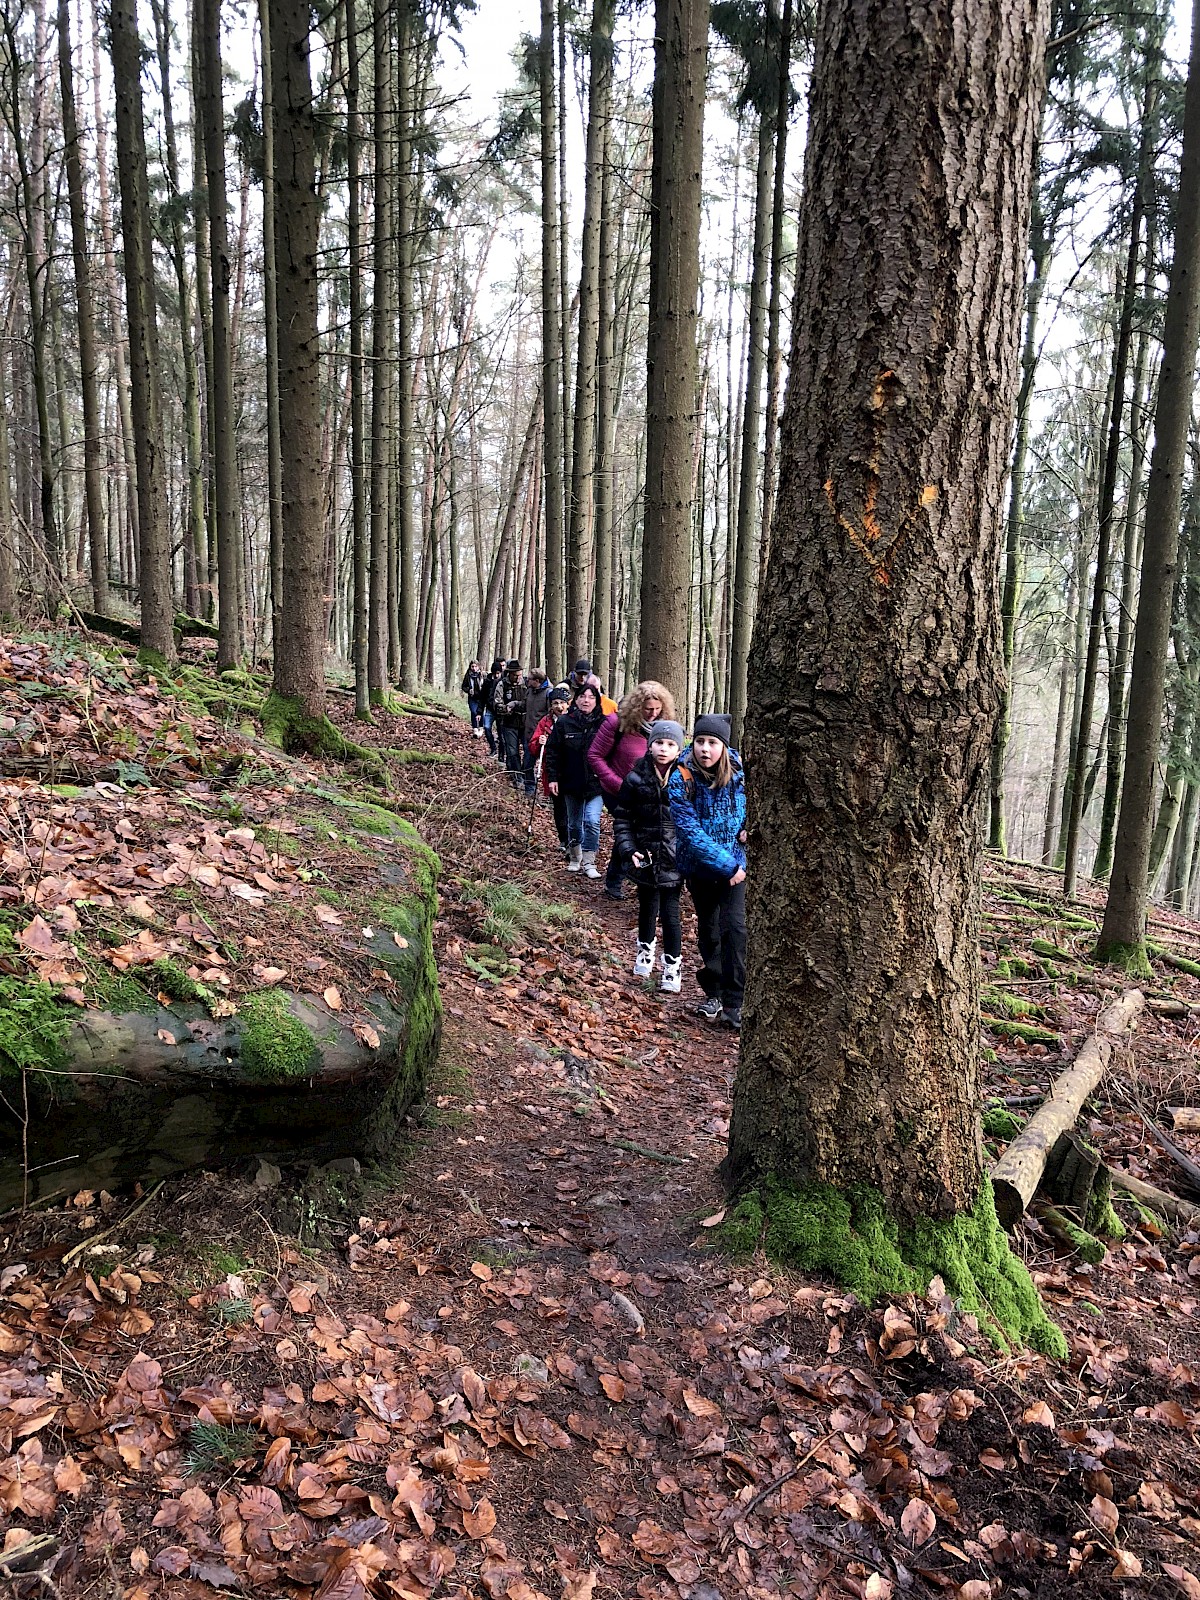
(565, 762)
(642, 825)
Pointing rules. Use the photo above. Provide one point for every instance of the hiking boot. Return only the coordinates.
(731, 1016)
(710, 1009)
(643, 966)
(575, 860)
(590, 869)
(672, 980)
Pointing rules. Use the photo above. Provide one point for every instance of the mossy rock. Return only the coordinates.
(136, 1094)
(852, 1239)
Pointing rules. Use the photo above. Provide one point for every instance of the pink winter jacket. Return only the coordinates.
(612, 755)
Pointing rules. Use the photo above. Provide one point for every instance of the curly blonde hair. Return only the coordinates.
(631, 713)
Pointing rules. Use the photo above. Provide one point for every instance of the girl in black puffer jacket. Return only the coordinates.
(645, 841)
(569, 775)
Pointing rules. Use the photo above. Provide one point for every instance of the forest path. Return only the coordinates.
(514, 1367)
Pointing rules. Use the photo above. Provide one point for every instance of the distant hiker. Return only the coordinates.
(579, 675)
(489, 716)
(472, 687)
(708, 807)
(619, 744)
(607, 706)
(560, 699)
(567, 769)
(508, 707)
(537, 703)
(645, 842)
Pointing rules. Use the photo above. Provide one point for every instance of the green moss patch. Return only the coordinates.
(275, 1045)
(852, 1239)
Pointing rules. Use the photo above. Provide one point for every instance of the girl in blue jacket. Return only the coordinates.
(708, 807)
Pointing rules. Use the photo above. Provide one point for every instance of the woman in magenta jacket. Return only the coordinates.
(620, 743)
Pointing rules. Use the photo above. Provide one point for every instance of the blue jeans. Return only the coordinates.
(476, 709)
(489, 723)
(583, 821)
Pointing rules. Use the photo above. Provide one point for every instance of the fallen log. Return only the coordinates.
(1189, 1168)
(1018, 1172)
(1184, 1213)
(1185, 1119)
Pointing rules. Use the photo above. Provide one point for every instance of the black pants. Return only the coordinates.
(614, 873)
(721, 933)
(656, 904)
(513, 744)
(560, 818)
(530, 769)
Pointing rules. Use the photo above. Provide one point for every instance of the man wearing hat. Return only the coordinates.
(508, 704)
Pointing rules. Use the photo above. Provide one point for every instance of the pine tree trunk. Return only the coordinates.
(382, 306)
(583, 465)
(552, 362)
(8, 549)
(1123, 935)
(875, 668)
(1010, 598)
(1058, 759)
(271, 340)
(300, 648)
(85, 320)
(775, 304)
(360, 615)
(230, 642)
(749, 511)
(680, 64)
(606, 396)
(154, 535)
(406, 233)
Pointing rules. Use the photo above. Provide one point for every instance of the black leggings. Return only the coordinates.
(721, 934)
(653, 904)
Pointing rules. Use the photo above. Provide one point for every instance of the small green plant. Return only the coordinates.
(510, 915)
(275, 1045)
(224, 1262)
(213, 1447)
(237, 1312)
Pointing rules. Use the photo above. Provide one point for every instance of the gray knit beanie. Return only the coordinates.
(665, 730)
(716, 725)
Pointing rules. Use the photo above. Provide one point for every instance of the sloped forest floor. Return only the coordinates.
(512, 1363)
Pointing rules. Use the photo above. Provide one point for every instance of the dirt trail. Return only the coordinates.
(520, 1370)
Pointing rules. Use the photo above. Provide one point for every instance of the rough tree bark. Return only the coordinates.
(1123, 934)
(271, 335)
(154, 536)
(225, 486)
(680, 63)
(85, 320)
(300, 649)
(875, 668)
(552, 362)
(382, 309)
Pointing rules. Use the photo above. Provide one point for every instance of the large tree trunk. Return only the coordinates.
(680, 63)
(271, 336)
(85, 319)
(875, 669)
(552, 350)
(382, 309)
(358, 505)
(300, 648)
(583, 466)
(749, 510)
(406, 241)
(1123, 935)
(229, 617)
(154, 534)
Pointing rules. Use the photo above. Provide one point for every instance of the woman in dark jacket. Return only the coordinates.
(472, 687)
(645, 843)
(568, 773)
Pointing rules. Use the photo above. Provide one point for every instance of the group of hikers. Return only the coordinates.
(678, 809)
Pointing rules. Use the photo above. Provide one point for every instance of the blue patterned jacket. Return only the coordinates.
(708, 821)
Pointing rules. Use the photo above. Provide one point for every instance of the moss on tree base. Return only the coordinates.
(1131, 959)
(852, 1239)
(288, 725)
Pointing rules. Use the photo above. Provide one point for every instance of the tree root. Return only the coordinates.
(288, 726)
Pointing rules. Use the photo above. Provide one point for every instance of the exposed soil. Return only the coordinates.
(515, 1365)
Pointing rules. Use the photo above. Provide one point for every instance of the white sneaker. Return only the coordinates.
(672, 976)
(643, 966)
(590, 869)
(576, 861)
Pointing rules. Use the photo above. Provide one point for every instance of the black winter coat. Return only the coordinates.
(565, 762)
(472, 685)
(642, 825)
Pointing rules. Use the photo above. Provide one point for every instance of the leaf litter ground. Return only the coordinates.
(513, 1366)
